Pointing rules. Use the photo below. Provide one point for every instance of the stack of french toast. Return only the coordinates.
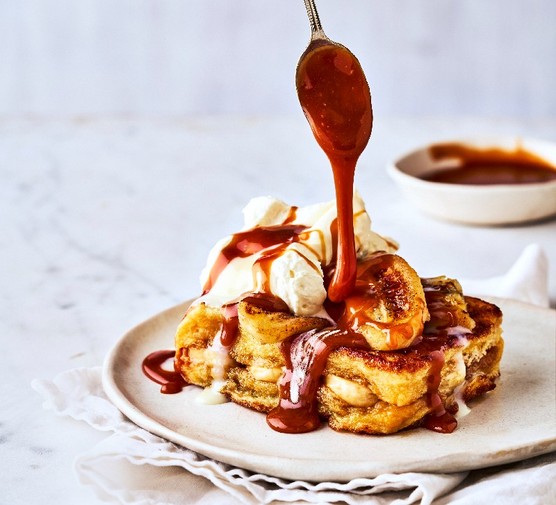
(401, 351)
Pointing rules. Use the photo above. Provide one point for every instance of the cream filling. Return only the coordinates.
(463, 409)
(211, 395)
(351, 392)
(217, 357)
(265, 374)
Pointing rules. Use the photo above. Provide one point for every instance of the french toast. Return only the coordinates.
(398, 381)
(300, 370)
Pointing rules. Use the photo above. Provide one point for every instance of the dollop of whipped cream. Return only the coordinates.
(296, 274)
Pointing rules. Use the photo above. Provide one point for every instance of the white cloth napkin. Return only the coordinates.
(136, 466)
(526, 280)
(132, 466)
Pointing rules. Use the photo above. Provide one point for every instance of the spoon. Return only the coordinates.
(336, 100)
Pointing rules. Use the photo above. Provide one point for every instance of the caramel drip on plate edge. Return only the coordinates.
(170, 380)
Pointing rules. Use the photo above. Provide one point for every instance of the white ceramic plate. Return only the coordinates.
(516, 421)
(493, 204)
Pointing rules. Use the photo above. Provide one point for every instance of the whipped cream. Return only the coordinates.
(296, 274)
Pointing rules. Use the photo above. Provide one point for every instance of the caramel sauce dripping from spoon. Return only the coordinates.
(336, 100)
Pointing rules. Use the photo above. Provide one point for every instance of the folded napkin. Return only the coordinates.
(133, 466)
(526, 280)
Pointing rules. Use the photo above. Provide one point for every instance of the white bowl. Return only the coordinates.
(492, 204)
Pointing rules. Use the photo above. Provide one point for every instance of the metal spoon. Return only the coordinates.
(314, 20)
(331, 73)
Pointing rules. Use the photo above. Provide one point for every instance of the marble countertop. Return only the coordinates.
(106, 222)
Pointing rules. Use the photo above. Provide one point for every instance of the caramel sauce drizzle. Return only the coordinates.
(246, 243)
(230, 324)
(306, 356)
(292, 215)
(171, 381)
(439, 419)
(272, 241)
(336, 100)
(441, 331)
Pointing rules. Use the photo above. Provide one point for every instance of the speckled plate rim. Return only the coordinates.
(515, 422)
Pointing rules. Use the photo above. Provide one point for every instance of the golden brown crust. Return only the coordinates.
(402, 390)
(261, 333)
(482, 359)
(243, 389)
(267, 327)
(379, 419)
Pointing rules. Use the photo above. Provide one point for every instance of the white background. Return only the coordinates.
(493, 58)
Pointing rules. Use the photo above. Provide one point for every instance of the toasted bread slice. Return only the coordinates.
(266, 327)
(362, 390)
(195, 357)
(260, 332)
(398, 379)
(382, 392)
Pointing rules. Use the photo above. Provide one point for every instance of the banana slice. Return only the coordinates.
(351, 392)
(388, 305)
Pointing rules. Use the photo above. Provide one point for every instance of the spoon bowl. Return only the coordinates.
(333, 92)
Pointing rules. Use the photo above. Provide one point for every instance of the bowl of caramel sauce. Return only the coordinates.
(481, 182)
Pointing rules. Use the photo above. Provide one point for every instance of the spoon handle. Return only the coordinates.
(314, 19)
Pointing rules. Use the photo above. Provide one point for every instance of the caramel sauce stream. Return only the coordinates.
(336, 100)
